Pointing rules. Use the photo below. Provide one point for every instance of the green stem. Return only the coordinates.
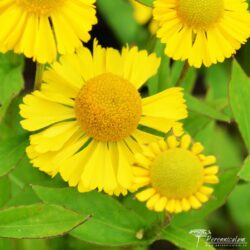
(183, 74)
(39, 76)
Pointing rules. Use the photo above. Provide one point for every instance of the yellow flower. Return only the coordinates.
(142, 13)
(41, 28)
(174, 175)
(202, 31)
(87, 113)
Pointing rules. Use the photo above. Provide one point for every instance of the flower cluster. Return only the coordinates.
(88, 120)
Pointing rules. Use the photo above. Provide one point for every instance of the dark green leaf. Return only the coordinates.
(37, 221)
(111, 224)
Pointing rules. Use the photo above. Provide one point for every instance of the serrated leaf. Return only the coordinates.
(239, 93)
(244, 173)
(228, 180)
(11, 152)
(183, 239)
(37, 221)
(111, 224)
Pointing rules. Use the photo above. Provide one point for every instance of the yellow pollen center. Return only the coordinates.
(200, 13)
(177, 173)
(40, 7)
(108, 108)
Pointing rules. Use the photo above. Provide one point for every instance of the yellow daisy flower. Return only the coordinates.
(202, 31)
(174, 174)
(87, 113)
(41, 28)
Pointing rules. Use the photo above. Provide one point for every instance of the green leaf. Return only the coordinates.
(183, 239)
(10, 125)
(26, 174)
(228, 180)
(202, 108)
(119, 16)
(5, 191)
(239, 93)
(11, 79)
(111, 224)
(37, 221)
(238, 204)
(244, 173)
(11, 152)
(26, 196)
(146, 2)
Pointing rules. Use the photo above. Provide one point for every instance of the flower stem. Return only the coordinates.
(183, 74)
(39, 76)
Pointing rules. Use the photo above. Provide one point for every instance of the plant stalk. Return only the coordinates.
(183, 74)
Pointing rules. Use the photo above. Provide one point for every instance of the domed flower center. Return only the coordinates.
(108, 108)
(177, 173)
(40, 7)
(200, 13)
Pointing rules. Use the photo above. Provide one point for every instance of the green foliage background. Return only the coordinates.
(33, 206)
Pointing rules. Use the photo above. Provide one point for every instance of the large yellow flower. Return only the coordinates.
(202, 31)
(41, 28)
(174, 174)
(87, 117)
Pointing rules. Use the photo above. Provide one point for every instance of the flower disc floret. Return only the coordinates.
(200, 13)
(174, 169)
(40, 7)
(108, 108)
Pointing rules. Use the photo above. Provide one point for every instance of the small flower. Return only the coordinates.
(86, 117)
(202, 31)
(174, 174)
(41, 28)
(142, 13)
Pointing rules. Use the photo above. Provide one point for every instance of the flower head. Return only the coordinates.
(203, 31)
(42, 28)
(174, 175)
(87, 114)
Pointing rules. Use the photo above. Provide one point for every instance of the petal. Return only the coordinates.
(139, 66)
(40, 113)
(168, 104)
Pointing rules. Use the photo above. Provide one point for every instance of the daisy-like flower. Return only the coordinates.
(87, 113)
(41, 28)
(202, 31)
(174, 174)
